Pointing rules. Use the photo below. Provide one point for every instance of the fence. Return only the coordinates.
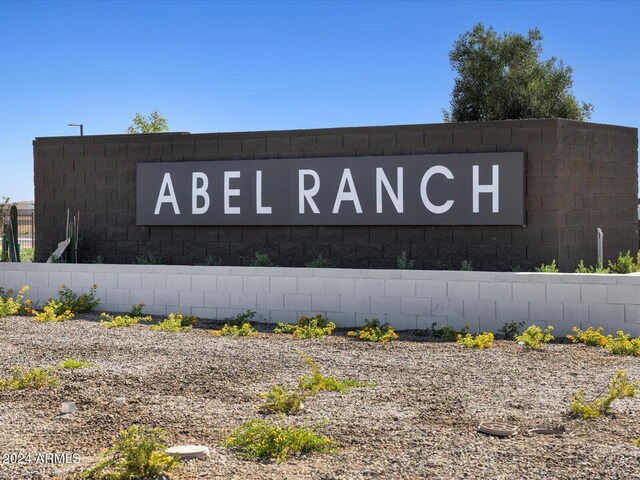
(26, 229)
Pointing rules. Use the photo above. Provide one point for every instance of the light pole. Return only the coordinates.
(78, 125)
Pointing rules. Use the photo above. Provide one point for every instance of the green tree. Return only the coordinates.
(152, 123)
(4, 208)
(502, 77)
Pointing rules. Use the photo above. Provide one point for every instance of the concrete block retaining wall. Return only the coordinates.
(406, 299)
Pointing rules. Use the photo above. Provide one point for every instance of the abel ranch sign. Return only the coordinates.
(455, 189)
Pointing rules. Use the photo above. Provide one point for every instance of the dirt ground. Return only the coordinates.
(419, 421)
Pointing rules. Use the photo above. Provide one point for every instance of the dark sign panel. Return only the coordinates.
(456, 189)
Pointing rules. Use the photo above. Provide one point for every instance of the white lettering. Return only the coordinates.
(438, 169)
(199, 192)
(230, 192)
(350, 196)
(170, 198)
(398, 200)
(308, 194)
(491, 188)
(259, 208)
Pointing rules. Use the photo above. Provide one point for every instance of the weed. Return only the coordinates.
(72, 302)
(448, 334)
(319, 262)
(176, 322)
(136, 311)
(466, 266)
(551, 268)
(636, 443)
(21, 379)
(26, 255)
(50, 312)
(481, 340)
(72, 363)
(316, 381)
(137, 453)
(515, 268)
(210, 261)
(625, 263)
(257, 439)
(403, 262)
(534, 337)
(149, 259)
(623, 345)
(10, 306)
(278, 400)
(307, 327)
(244, 330)
(445, 265)
(511, 329)
(589, 337)
(374, 332)
(619, 387)
(598, 268)
(119, 321)
(262, 260)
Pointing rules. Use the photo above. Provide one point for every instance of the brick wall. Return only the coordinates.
(579, 176)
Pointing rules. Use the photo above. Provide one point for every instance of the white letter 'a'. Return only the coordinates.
(170, 198)
(308, 194)
(351, 195)
(423, 189)
(199, 192)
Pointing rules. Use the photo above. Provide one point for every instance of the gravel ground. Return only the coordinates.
(419, 421)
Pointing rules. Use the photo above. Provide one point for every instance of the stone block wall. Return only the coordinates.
(579, 176)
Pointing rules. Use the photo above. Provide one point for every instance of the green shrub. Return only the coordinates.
(448, 334)
(551, 268)
(14, 306)
(636, 443)
(35, 378)
(534, 337)
(149, 259)
(598, 268)
(238, 326)
(50, 312)
(623, 345)
(480, 341)
(625, 263)
(278, 400)
(403, 262)
(133, 317)
(26, 255)
(373, 331)
(319, 262)
(307, 327)
(262, 260)
(619, 387)
(257, 439)
(136, 453)
(68, 301)
(211, 262)
(511, 329)
(316, 381)
(466, 266)
(72, 364)
(176, 322)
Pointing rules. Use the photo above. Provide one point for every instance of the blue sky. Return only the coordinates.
(237, 66)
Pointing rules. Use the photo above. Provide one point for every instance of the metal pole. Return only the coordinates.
(600, 239)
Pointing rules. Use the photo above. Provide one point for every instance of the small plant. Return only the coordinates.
(50, 312)
(26, 254)
(619, 387)
(278, 400)
(258, 439)
(448, 334)
(210, 261)
(72, 364)
(625, 263)
(10, 306)
(598, 268)
(319, 262)
(316, 381)
(551, 268)
(136, 453)
(35, 378)
(636, 443)
(589, 336)
(120, 321)
(262, 260)
(534, 337)
(176, 322)
(515, 268)
(238, 326)
(511, 329)
(72, 302)
(307, 327)
(623, 345)
(466, 266)
(481, 341)
(445, 265)
(149, 259)
(136, 312)
(403, 262)
(374, 332)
